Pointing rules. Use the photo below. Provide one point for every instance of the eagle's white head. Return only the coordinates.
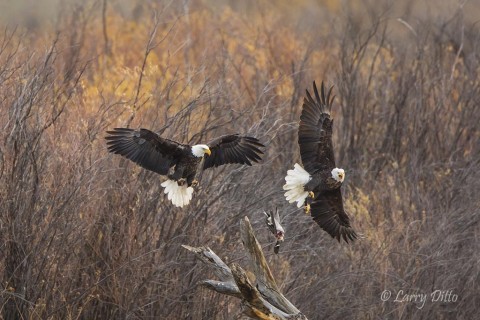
(338, 174)
(199, 150)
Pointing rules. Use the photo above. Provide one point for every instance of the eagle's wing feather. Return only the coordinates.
(315, 131)
(233, 148)
(145, 148)
(327, 211)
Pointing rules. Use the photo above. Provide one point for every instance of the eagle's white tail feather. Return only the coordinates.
(179, 195)
(295, 180)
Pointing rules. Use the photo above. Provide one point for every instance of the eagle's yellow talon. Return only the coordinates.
(195, 183)
(307, 208)
(181, 181)
(311, 194)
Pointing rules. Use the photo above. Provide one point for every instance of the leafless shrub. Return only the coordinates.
(86, 235)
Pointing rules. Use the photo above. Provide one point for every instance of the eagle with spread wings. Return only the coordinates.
(181, 163)
(316, 186)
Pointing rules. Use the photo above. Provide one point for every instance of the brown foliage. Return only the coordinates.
(87, 235)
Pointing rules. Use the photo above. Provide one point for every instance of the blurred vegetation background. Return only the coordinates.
(87, 235)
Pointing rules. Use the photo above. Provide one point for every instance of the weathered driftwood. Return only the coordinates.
(260, 300)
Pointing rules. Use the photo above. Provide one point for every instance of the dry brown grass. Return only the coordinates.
(87, 235)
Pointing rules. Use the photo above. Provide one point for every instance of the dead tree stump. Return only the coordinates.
(260, 300)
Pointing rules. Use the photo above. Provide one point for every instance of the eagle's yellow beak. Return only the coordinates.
(207, 151)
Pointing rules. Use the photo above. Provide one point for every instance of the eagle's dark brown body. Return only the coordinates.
(185, 170)
(322, 181)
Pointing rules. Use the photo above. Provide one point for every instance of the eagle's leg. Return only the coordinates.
(192, 180)
(310, 186)
(307, 207)
(177, 175)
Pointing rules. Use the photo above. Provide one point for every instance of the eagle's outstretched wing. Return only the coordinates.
(145, 148)
(327, 211)
(315, 131)
(233, 148)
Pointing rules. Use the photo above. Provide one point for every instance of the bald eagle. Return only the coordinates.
(181, 162)
(316, 186)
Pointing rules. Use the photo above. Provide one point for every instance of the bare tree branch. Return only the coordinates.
(227, 284)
